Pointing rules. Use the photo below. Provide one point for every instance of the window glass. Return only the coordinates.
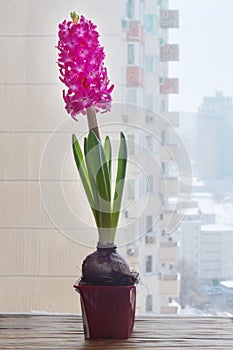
(130, 9)
(149, 267)
(131, 96)
(149, 184)
(149, 63)
(149, 303)
(131, 55)
(149, 102)
(149, 219)
(186, 104)
(131, 189)
(149, 23)
(150, 142)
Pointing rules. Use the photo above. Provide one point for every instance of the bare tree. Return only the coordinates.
(190, 286)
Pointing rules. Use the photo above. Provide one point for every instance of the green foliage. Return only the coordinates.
(120, 180)
(95, 169)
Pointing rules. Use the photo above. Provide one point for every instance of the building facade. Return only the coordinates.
(43, 242)
(215, 120)
(205, 246)
(152, 249)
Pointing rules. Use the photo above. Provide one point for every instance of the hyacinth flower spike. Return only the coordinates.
(81, 64)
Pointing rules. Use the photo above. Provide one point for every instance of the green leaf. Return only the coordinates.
(108, 153)
(92, 183)
(78, 156)
(99, 177)
(120, 181)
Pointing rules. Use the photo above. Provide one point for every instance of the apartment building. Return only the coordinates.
(206, 248)
(43, 240)
(146, 111)
(214, 159)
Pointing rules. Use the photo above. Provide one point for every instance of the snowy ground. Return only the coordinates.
(223, 209)
(190, 311)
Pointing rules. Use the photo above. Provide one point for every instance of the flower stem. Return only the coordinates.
(92, 121)
(106, 237)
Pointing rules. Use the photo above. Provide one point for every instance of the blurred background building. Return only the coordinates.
(215, 137)
(46, 228)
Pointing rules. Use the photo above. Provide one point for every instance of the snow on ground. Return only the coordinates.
(189, 311)
(222, 209)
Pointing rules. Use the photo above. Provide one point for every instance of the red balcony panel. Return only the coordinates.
(169, 52)
(169, 19)
(135, 32)
(170, 86)
(134, 76)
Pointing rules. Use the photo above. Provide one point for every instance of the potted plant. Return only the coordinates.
(107, 286)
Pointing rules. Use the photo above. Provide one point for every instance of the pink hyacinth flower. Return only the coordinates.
(81, 65)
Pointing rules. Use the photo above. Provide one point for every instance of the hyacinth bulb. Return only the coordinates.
(82, 70)
(107, 268)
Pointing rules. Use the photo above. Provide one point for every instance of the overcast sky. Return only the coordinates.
(205, 37)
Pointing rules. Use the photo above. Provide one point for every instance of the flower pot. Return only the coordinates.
(107, 311)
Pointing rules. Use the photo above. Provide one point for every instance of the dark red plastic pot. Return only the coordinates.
(107, 311)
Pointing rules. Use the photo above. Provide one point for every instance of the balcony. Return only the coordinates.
(169, 52)
(135, 32)
(134, 76)
(170, 219)
(150, 238)
(169, 152)
(136, 207)
(170, 119)
(169, 252)
(169, 19)
(169, 86)
(169, 186)
(169, 284)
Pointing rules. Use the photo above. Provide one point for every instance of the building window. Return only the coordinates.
(163, 137)
(149, 23)
(130, 9)
(149, 220)
(149, 184)
(131, 189)
(149, 263)
(141, 192)
(131, 54)
(149, 303)
(162, 41)
(150, 142)
(161, 4)
(149, 63)
(163, 106)
(163, 168)
(149, 118)
(149, 101)
(131, 97)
